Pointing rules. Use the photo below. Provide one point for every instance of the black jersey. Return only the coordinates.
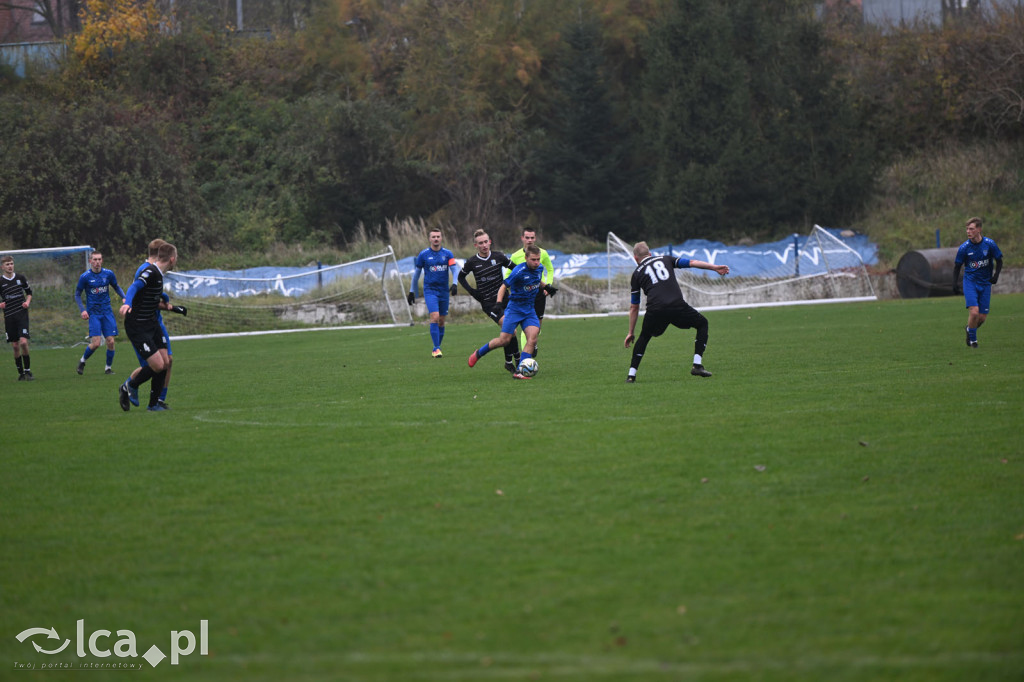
(488, 275)
(146, 301)
(656, 277)
(14, 292)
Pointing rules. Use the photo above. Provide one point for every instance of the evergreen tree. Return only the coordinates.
(582, 176)
(745, 123)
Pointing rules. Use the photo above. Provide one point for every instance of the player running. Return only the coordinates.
(529, 238)
(165, 304)
(140, 310)
(521, 286)
(487, 267)
(96, 283)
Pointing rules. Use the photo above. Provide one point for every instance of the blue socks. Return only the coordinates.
(436, 334)
(972, 334)
(110, 358)
(89, 350)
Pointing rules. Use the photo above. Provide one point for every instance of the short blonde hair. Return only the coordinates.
(166, 252)
(154, 247)
(641, 249)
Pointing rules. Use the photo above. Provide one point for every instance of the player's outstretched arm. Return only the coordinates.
(722, 270)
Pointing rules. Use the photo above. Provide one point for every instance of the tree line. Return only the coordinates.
(666, 119)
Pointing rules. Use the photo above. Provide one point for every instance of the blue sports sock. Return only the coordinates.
(89, 350)
(972, 334)
(483, 350)
(440, 335)
(435, 335)
(524, 356)
(163, 393)
(110, 358)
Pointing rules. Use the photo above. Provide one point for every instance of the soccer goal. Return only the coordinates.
(54, 320)
(814, 268)
(359, 294)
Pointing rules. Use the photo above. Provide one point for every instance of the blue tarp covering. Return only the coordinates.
(769, 260)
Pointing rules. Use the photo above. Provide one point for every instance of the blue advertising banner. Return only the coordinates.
(799, 255)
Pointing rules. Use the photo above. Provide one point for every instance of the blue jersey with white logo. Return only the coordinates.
(978, 259)
(435, 266)
(96, 286)
(523, 284)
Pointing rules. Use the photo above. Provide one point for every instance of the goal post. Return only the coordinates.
(364, 293)
(53, 273)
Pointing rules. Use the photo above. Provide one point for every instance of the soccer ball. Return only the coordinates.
(528, 367)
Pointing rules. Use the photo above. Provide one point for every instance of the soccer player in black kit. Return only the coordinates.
(15, 299)
(655, 275)
(486, 266)
(140, 310)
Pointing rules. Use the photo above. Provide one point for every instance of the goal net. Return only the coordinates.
(54, 319)
(363, 293)
(817, 267)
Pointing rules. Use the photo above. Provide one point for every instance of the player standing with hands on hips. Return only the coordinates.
(140, 310)
(97, 282)
(982, 262)
(15, 298)
(655, 276)
(435, 261)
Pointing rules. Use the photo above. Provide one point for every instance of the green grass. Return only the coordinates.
(841, 501)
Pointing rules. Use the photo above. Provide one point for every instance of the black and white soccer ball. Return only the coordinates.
(528, 367)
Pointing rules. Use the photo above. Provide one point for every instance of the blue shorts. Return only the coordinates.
(437, 301)
(164, 337)
(102, 324)
(977, 294)
(519, 316)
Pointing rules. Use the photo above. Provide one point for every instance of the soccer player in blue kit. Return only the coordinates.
(97, 282)
(522, 286)
(435, 262)
(981, 261)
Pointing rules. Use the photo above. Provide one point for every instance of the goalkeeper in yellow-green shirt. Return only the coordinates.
(529, 238)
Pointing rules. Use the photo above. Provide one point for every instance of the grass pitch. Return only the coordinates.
(841, 501)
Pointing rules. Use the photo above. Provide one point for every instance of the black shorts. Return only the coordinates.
(146, 340)
(16, 326)
(539, 304)
(495, 311)
(657, 321)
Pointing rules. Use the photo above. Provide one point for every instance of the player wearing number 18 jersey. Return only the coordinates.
(655, 276)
